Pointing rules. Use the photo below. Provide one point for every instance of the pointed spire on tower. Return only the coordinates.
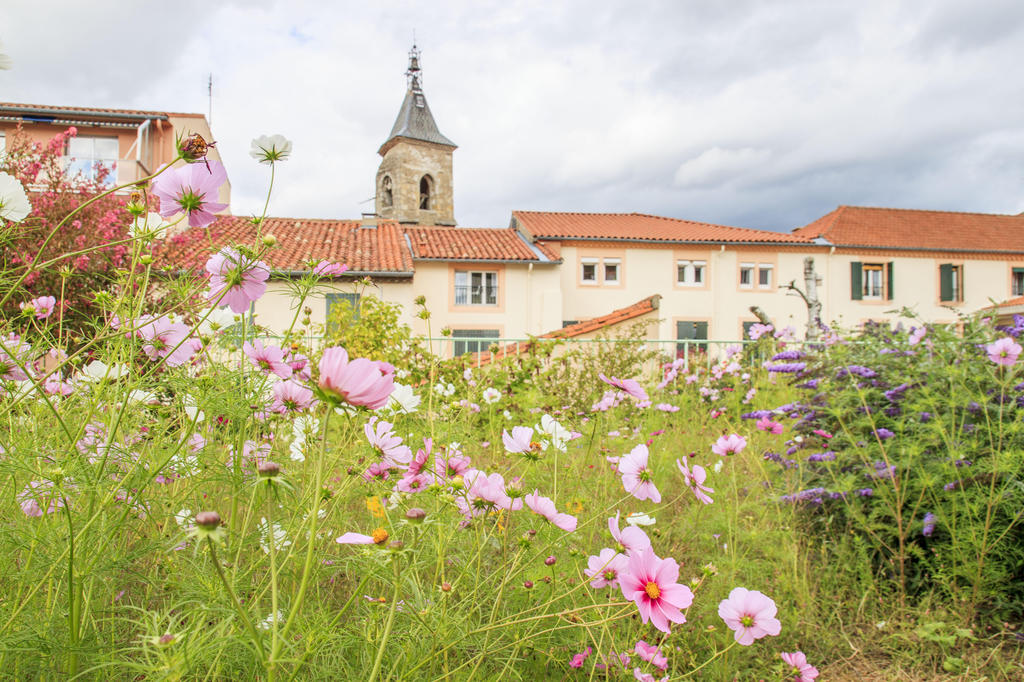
(415, 121)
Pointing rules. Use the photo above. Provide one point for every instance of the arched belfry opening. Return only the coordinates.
(414, 180)
(426, 185)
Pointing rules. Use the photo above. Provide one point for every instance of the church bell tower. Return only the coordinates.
(414, 180)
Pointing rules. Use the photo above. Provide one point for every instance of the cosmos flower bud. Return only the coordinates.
(268, 469)
(208, 520)
(136, 204)
(528, 584)
(194, 148)
(166, 639)
(446, 587)
(146, 259)
(416, 515)
(550, 561)
(269, 240)
(396, 545)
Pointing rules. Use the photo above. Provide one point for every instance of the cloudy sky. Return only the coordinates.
(757, 114)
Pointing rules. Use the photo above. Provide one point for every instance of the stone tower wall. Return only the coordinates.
(406, 162)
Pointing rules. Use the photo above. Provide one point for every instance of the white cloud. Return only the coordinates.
(757, 114)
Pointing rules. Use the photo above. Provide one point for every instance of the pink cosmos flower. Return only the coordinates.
(235, 280)
(577, 660)
(485, 493)
(43, 306)
(382, 438)
(636, 477)
(649, 652)
(379, 537)
(520, 440)
(414, 483)
(804, 670)
(290, 397)
(766, 424)
(363, 382)
(695, 479)
(1004, 351)
(37, 492)
(631, 539)
(823, 434)
(751, 614)
(269, 359)
(447, 469)
(651, 583)
(630, 386)
(300, 366)
(605, 568)
(545, 506)
(54, 385)
(326, 268)
(192, 189)
(378, 471)
(915, 337)
(647, 677)
(419, 462)
(666, 407)
(729, 445)
(166, 339)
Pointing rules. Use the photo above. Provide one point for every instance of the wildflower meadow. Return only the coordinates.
(186, 495)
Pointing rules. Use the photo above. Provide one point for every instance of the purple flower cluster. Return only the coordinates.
(788, 367)
(929, 525)
(793, 354)
(827, 456)
(882, 471)
(857, 370)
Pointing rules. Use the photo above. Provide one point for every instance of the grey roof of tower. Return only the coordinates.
(416, 122)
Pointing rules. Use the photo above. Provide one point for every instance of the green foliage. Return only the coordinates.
(926, 463)
(371, 329)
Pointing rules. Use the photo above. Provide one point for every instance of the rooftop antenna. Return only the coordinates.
(209, 94)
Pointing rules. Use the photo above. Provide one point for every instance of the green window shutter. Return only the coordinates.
(889, 280)
(701, 330)
(856, 281)
(946, 282)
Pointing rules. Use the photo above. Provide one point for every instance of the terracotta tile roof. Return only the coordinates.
(643, 307)
(916, 229)
(381, 249)
(87, 111)
(648, 305)
(470, 243)
(639, 227)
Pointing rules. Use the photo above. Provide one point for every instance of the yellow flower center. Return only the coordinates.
(380, 536)
(652, 590)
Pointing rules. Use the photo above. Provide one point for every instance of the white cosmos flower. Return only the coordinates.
(557, 434)
(14, 204)
(302, 428)
(491, 395)
(270, 148)
(183, 518)
(269, 621)
(640, 519)
(97, 370)
(280, 538)
(192, 409)
(152, 226)
(216, 319)
(403, 399)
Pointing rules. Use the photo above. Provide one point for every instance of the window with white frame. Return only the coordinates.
(690, 273)
(611, 270)
(874, 280)
(588, 270)
(747, 275)
(476, 288)
(764, 275)
(89, 155)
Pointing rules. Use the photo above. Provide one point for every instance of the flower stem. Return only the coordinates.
(390, 621)
(238, 605)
